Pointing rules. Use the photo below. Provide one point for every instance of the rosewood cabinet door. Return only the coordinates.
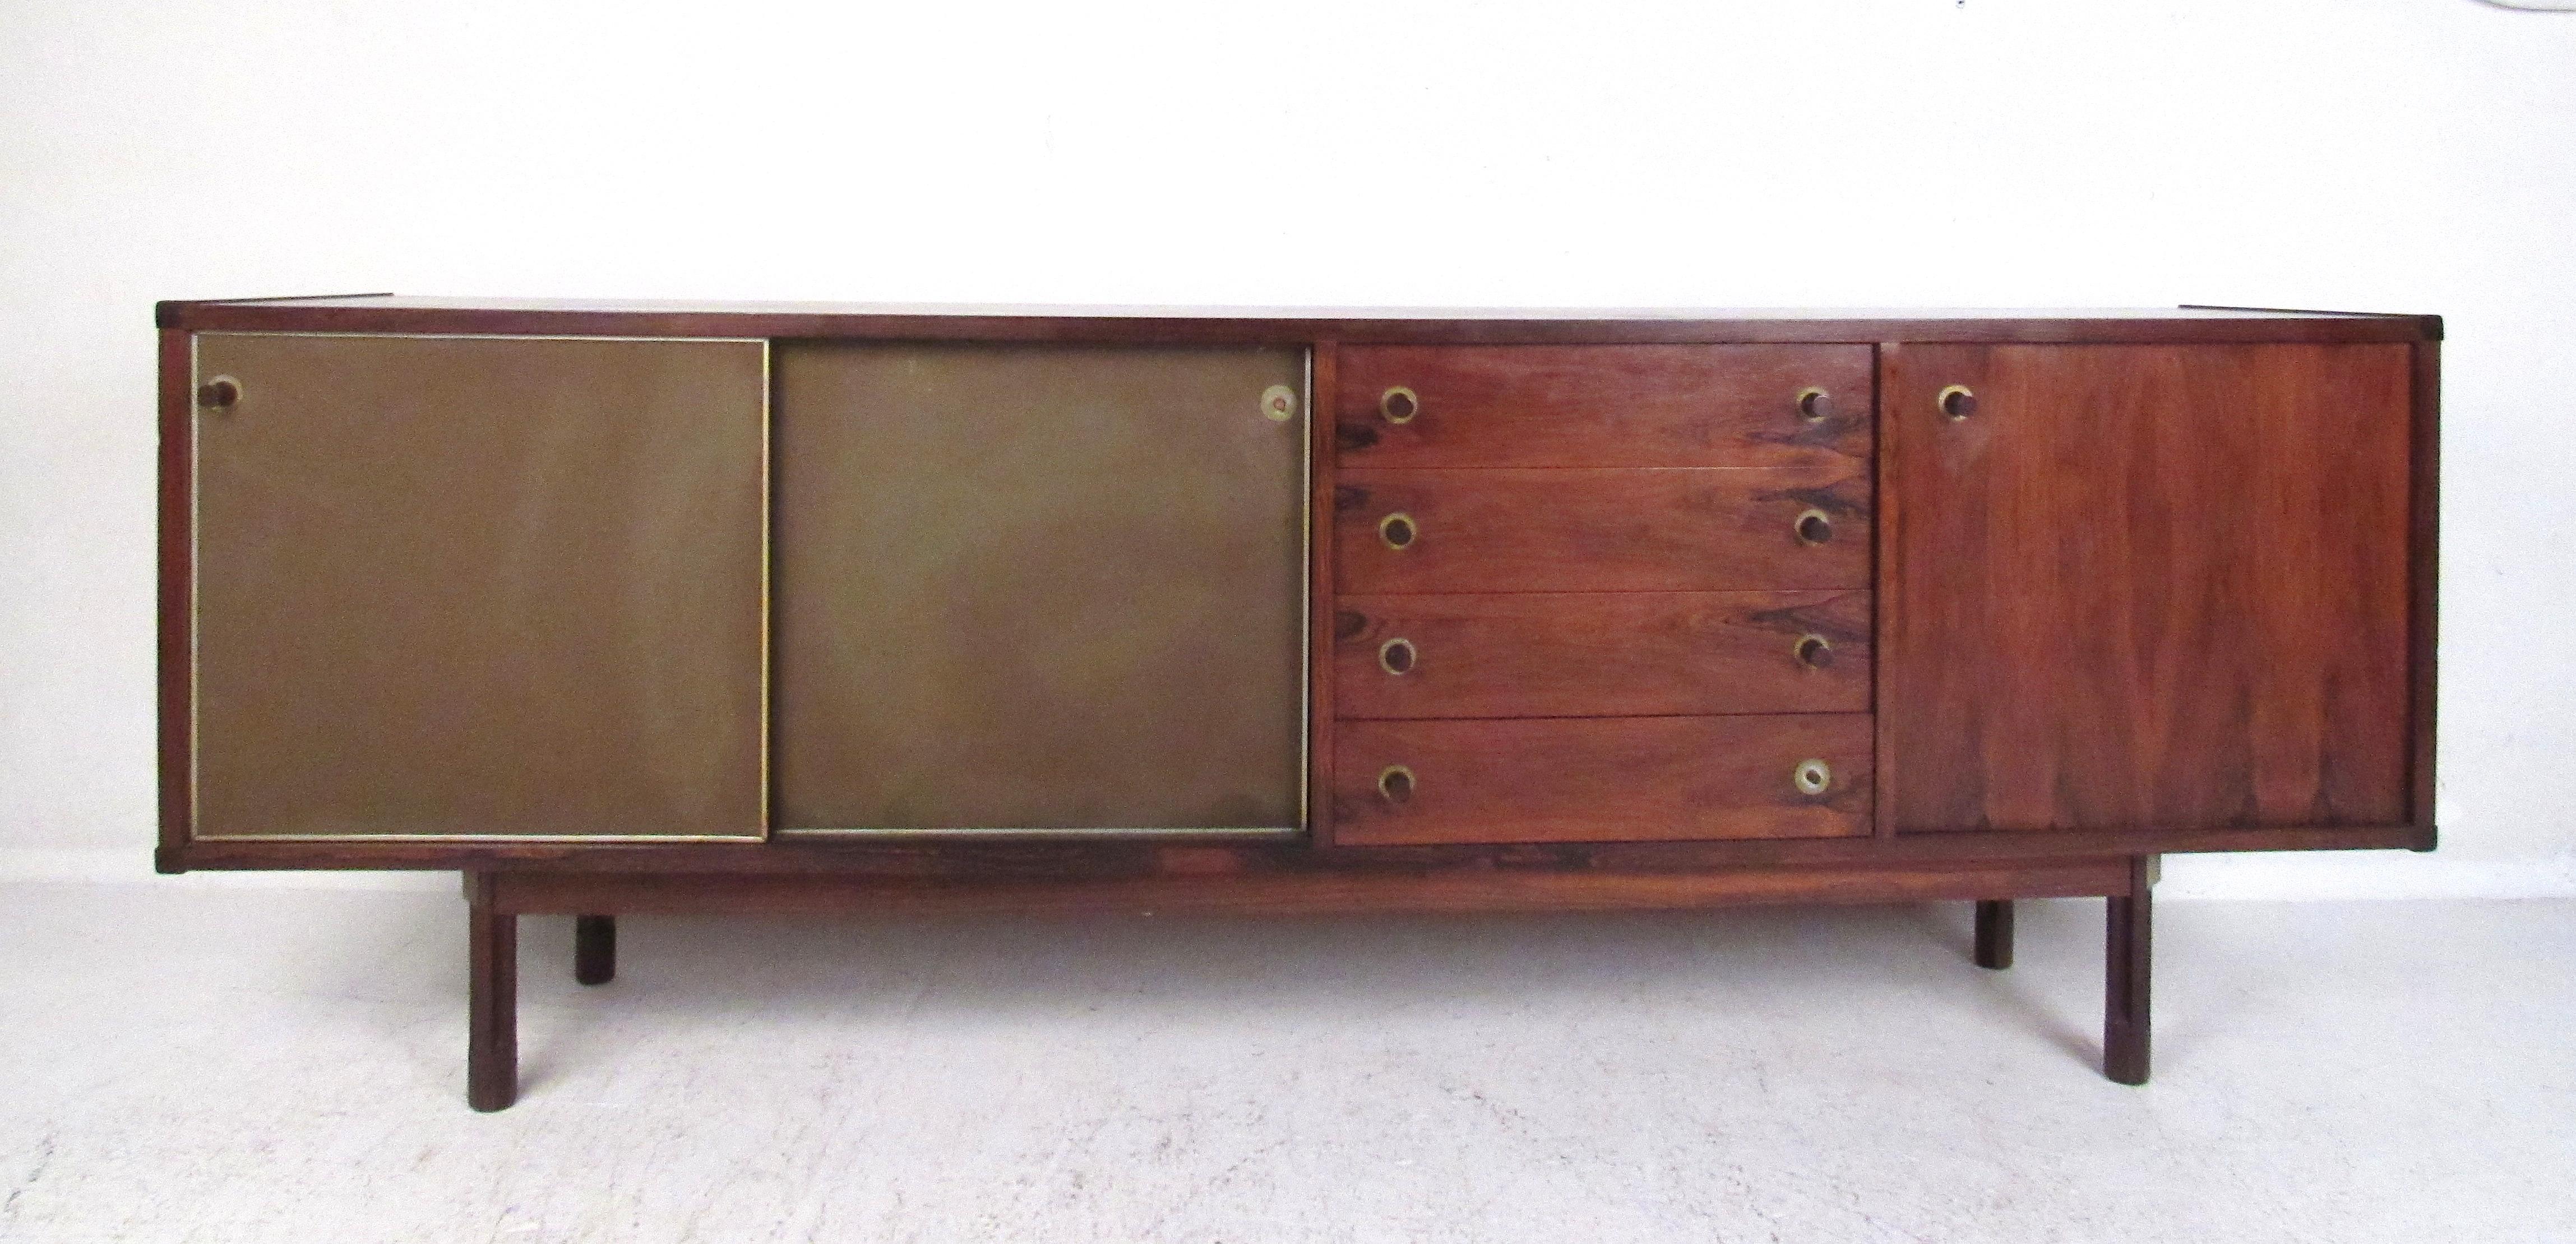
(463, 587)
(1040, 588)
(2144, 587)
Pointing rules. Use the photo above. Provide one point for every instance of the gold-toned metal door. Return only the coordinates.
(468, 587)
(1040, 588)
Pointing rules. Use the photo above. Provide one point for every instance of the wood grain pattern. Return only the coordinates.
(918, 861)
(1626, 530)
(920, 858)
(1273, 326)
(1605, 406)
(1325, 360)
(1458, 890)
(177, 565)
(1886, 760)
(2423, 611)
(1601, 654)
(1600, 779)
(2146, 586)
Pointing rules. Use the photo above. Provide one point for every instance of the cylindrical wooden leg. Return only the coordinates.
(1994, 933)
(492, 1039)
(2127, 955)
(594, 949)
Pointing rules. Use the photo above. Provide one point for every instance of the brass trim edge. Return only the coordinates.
(1231, 831)
(534, 840)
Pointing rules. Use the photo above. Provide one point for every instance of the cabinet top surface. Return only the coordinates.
(1227, 325)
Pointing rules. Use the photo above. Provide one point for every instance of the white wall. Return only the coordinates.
(2409, 155)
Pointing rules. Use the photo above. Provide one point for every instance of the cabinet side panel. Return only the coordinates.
(1039, 588)
(2147, 586)
(176, 563)
(464, 587)
(2424, 606)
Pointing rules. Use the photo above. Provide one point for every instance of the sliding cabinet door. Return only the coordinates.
(477, 587)
(1040, 588)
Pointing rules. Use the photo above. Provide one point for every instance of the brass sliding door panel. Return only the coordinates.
(480, 586)
(1039, 588)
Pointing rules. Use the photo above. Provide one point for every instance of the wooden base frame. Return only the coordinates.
(495, 900)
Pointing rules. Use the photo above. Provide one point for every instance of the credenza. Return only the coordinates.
(641, 608)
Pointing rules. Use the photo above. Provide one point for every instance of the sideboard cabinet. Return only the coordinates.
(621, 608)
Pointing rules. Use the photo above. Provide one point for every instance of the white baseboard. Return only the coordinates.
(2341, 875)
(97, 867)
(2285, 876)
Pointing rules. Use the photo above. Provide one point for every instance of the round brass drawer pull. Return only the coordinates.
(1279, 402)
(1395, 784)
(1397, 530)
(1395, 656)
(1815, 527)
(1815, 405)
(219, 393)
(1813, 777)
(1399, 405)
(1814, 653)
(1957, 402)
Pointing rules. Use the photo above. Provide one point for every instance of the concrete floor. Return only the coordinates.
(187, 1063)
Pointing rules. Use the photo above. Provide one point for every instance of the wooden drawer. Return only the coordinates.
(1602, 406)
(1604, 779)
(1601, 654)
(1672, 529)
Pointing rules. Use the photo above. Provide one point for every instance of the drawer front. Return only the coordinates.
(1680, 529)
(1601, 654)
(1603, 406)
(1601, 780)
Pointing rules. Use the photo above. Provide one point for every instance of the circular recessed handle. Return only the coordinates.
(1957, 402)
(219, 393)
(1279, 402)
(1814, 527)
(1399, 405)
(1395, 656)
(1395, 784)
(1397, 530)
(1814, 653)
(1814, 777)
(1815, 405)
